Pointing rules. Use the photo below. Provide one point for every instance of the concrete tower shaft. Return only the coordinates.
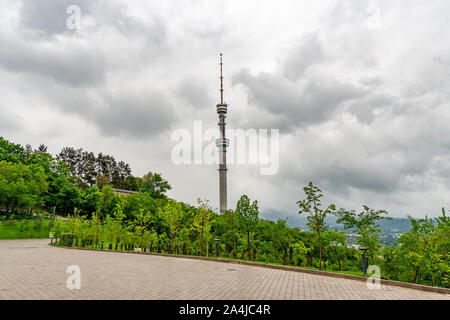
(222, 143)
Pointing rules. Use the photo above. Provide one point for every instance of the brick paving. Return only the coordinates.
(30, 269)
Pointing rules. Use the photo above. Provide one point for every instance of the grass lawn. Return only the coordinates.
(22, 229)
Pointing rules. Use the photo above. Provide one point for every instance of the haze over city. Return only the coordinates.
(359, 91)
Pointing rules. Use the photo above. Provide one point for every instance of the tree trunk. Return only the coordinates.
(271, 251)
(248, 243)
(320, 250)
(140, 245)
(346, 257)
(201, 244)
(117, 242)
(96, 237)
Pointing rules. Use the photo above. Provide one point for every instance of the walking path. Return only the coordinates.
(30, 269)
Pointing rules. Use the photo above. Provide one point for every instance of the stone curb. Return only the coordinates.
(285, 268)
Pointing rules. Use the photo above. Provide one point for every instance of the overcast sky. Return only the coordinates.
(358, 89)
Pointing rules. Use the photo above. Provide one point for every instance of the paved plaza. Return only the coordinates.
(30, 269)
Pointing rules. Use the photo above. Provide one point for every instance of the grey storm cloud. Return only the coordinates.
(136, 114)
(9, 121)
(383, 156)
(358, 88)
(49, 16)
(108, 14)
(295, 104)
(125, 111)
(71, 63)
(383, 141)
(308, 53)
(191, 90)
(72, 71)
(365, 107)
(75, 59)
(352, 12)
(296, 95)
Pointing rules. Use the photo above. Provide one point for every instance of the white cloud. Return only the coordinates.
(359, 90)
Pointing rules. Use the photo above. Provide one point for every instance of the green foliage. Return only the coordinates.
(154, 185)
(91, 200)
(88, 170)
(248, 218)
(21, 186)
(33, 182)
(202, 221)
(311, 205)
(25, 229)
(367, 217)
(11, 152)
(173, 214)
(299, 251)
(74, 179)
(423, 252)
(64, 195)
(422, 255)
(365, 224)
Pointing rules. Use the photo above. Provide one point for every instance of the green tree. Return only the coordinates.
(114, 224)
(140, 224)
(153, 240)
(299, 251)
(334, 243)
(275, 233)
(231, 229)
(21, 186)
(365, 222)
(173, 215)
(108, 200)
(11, 152)
(247, 214)
(311, 205)
(203, 220)
(96, 223)
(91, 200)
(424, 251)
(63, 195)
(155, 185)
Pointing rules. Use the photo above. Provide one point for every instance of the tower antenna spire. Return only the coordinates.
(221, 81)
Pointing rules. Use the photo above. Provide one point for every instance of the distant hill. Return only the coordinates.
(391, 229)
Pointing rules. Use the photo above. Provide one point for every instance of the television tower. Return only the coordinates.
(222, 143)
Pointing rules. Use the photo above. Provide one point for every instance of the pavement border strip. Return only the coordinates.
(285, 268)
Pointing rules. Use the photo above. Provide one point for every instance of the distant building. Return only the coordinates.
(123, 192)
